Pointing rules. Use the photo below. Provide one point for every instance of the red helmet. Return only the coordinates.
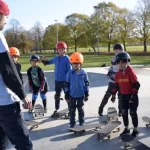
(61, 45)
(4, 9)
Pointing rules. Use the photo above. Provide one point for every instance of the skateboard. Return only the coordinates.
(33, 124)
(146, 119)
(78, 130)
(38, 110)
(112, 114)
(108, 129)
(131, 142)
(63, 113)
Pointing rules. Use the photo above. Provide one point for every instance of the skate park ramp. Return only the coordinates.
(53, 133)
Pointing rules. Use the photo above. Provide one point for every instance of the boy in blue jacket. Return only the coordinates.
(62, 66)
(76, 88)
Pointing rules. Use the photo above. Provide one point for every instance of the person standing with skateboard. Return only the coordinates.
(126, 80)
(12, 125)
(37, 82)
(76, 88)
(62, 66)
(111, 75)
(15, 54)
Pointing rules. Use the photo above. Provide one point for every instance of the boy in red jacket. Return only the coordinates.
(126, 80)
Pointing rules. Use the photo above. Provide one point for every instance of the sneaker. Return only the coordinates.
(45, 110)
(126, 131)
(135, 133)
(55, 114)
(81, 124)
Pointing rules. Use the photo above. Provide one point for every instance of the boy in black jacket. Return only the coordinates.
(15, 54)
(37, 82)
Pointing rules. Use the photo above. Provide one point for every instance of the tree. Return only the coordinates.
(142, 14)
(125, 26)
(76, 23)
(37, 32)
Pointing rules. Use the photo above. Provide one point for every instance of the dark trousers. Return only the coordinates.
(132, 107)
(107, 96)
(59, 87)
(76, 103)
(14, 127)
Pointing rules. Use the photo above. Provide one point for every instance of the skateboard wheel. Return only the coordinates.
(43, 114)
(109, 137)
(35, 115)
(118, 129)
(147, 125)
(126, 146)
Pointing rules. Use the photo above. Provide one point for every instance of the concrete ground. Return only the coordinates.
(53, 134)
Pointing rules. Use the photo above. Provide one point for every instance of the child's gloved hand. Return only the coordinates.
(41, 89)
(133, 98)
(113, 98)
(43, 60)
(86, 98)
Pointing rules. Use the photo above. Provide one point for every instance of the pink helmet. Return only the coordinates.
(4, 9)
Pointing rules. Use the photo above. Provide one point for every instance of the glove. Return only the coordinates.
(86, 95)
(67, 96)
(86, 98)
(133, 98)
(44, 60)
(113, 98)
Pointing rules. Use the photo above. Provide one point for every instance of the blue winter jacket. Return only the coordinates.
(62, 66)
(77, 84)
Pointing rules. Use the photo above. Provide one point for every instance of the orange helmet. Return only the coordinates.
(76, 58)
(14, 51)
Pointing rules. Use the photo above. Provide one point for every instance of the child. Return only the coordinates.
(76, 88)
(62, 66)
(15, 54)
(111, 75)
(129, 85)
(37, 82)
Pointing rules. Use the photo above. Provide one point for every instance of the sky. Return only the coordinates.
(28, 12)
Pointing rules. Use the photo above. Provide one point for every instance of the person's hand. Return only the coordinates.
(86, 98)
(133, 98)
(27, 104)
(113, 98)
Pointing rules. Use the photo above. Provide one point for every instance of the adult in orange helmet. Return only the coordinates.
(76, 88)
(15, 54)
(12, 125)
(62, 66)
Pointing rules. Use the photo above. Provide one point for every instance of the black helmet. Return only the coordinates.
(34, 57)
(118, 46)
(122, 56)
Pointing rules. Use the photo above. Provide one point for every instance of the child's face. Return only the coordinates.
(34, 63)
(122, 65)
(15, 58)
(3, 21)
(116, 51)
(61, 52)
(76, 66)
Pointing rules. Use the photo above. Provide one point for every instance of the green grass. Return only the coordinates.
(89, 61)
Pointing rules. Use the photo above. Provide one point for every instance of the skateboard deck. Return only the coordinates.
(106, 131)
(38, 110)
(64, 113)
(131, 142)
(32, 123)
(80, 129)
(146, 119)
(112, 114)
